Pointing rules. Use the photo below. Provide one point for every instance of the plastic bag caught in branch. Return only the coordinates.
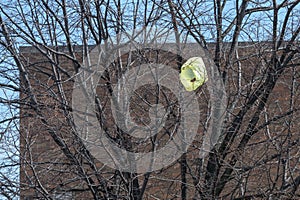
(193, 73)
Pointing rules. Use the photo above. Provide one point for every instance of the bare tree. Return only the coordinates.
(258, 102)
(254, 46)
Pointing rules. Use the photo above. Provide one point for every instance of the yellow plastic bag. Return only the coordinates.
(193, 73)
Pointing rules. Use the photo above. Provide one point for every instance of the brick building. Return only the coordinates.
(54, 163)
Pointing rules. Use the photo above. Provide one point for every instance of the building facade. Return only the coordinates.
(56, 165)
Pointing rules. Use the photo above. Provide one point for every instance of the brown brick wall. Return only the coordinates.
(54, 168)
